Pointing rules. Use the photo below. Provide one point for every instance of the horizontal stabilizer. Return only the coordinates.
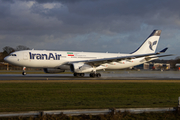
(164, 50)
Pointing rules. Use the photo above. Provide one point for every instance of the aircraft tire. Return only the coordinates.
(23, 73)
(82, 74)
(98, 75)
(75, 74)
(92, 75)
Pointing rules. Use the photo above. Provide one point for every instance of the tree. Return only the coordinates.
(7, 50)
(21, 47)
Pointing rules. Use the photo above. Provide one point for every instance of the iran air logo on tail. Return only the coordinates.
(151, 44)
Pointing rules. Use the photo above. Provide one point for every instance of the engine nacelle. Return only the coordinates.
(80, 68)
(53, 70)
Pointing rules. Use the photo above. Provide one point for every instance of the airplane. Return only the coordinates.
(80, 63)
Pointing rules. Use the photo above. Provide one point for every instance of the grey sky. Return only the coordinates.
(89, 25)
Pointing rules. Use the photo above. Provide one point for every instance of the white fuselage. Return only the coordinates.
(59, 59)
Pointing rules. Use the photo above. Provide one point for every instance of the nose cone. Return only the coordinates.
(6, 59)
(12, 60)
(9, 59)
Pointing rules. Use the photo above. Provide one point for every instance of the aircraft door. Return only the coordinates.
(25, 56)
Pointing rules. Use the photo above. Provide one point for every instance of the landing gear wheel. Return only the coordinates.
(98, 75)
(78, 75)
(82, 74)
(75, 74)
(92, 74)
(23, 73)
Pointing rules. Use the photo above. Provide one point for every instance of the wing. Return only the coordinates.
(97, 62)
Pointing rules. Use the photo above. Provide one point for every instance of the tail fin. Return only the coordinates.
(150, 44)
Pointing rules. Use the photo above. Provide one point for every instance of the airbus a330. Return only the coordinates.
(80, 63)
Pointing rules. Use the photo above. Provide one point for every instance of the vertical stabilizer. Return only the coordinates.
(150, 44)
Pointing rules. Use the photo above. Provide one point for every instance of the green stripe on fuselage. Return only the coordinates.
(69, 53)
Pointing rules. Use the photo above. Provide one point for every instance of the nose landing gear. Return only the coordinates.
(24, 71)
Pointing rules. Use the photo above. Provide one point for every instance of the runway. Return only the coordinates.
(116, 75)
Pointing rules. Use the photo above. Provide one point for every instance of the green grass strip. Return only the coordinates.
(21, 96)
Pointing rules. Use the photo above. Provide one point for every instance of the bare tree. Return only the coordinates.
(21, 47)
(7, 50)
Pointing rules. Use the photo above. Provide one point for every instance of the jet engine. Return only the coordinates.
(80, 68)
(53, 70)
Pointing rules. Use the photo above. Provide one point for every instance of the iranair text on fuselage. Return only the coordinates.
(43, 56)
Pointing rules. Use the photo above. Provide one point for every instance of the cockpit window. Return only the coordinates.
(13, 55)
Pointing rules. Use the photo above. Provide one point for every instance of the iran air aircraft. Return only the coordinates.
(86, 62)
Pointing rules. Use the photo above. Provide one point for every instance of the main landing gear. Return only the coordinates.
(24, 71)
(90, 75)
(94, 75)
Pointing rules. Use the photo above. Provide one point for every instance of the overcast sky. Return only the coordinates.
(89, 25)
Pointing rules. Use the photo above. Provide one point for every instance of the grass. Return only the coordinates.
(53, 95)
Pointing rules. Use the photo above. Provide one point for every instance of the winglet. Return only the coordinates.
(163, 51)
